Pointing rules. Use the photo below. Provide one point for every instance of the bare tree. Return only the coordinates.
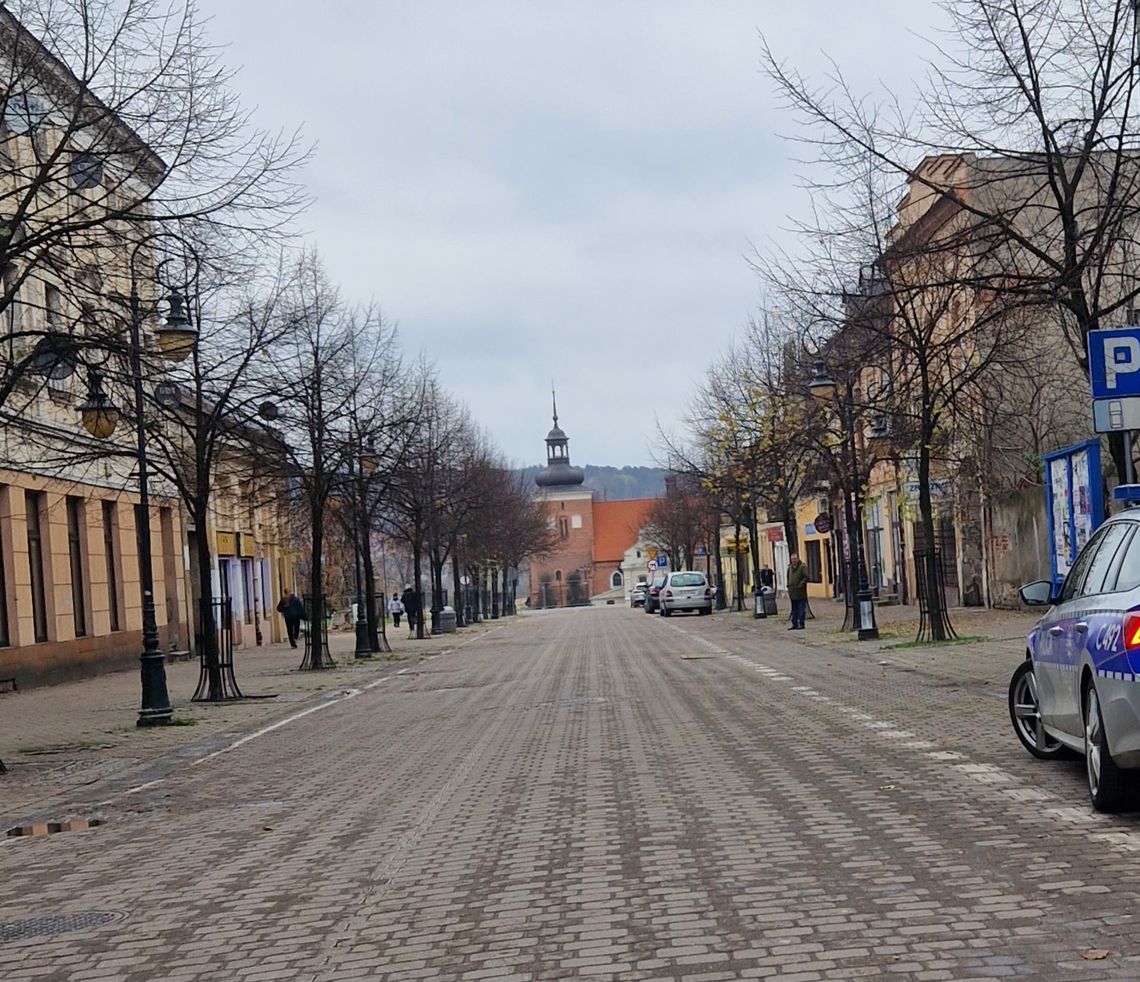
(119, 119)
(1033, 127)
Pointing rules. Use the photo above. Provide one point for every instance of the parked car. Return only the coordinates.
(1078, 689)
(686, 590)
(654, 591)
(637, 595)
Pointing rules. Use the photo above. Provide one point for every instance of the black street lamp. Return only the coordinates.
(176, 338)
(824, 389)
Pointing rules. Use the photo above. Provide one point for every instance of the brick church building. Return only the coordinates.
(596, 540)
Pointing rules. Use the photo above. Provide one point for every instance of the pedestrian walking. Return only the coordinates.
(411, 602)
(395, 608)
(797, 591)
(293, 611)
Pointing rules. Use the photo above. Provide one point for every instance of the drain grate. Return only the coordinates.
(52, 924)
(51, 828)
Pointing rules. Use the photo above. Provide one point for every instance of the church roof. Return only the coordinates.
(616, 526)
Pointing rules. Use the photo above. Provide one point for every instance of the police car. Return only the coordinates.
(1079, 688)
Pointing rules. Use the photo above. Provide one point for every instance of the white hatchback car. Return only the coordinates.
(686, 590)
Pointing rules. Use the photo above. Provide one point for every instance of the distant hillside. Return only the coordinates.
(617, 483)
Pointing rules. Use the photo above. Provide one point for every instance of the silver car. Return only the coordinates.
(686, 590)
(1079, 688)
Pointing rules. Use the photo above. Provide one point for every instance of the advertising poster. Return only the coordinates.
(1074, 503)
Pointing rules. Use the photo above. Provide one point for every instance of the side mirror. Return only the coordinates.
(1037, 594)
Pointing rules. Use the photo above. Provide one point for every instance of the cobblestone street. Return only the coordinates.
(591, 793)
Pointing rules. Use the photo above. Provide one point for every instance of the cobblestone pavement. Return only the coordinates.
(602, 794)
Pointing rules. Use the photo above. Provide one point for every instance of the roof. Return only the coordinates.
(616, 525)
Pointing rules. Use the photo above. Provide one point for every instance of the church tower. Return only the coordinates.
(558, 473)
(564, 576)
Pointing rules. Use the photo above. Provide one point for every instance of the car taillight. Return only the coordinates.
(1132, 631)
(668, 593)
(708, 591)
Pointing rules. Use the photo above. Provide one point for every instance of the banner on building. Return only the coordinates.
(1074, 503)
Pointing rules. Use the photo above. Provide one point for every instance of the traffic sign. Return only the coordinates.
(662, 561)
(1114, 362)
(1110, 415)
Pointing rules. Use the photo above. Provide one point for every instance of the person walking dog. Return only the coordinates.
(797, 591)
(293, 611)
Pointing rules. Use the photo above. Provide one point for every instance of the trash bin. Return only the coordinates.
(447, 620)
(768, 598)
(758, 600)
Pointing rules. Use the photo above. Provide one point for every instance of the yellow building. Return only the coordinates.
(816, 547)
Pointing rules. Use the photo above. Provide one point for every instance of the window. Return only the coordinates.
(12, 292)
(687, 579)
(1102, 563)
(34, 503)
(53, 307)
(814, 561)
(111, 554)
(576, 521)
(1080, 569)
(563, 528)
(638, 553)
(616, 580)
(558, 575)
(169, 565)
(1128, 576)
(77, 556)
(5, 635)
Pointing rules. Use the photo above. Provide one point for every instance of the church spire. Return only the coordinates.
(558, 472)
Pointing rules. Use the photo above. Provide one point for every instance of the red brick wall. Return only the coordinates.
(576, 551)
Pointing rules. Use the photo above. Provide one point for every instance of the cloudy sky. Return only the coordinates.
(553, 191)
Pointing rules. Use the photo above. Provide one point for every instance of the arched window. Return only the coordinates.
(616, 580)
(558, 575)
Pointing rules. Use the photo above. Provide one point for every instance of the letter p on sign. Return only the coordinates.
(1121, 357)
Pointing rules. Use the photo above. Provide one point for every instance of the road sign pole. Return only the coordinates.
(1129, 468)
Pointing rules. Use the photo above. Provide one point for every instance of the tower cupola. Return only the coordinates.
(558, 472)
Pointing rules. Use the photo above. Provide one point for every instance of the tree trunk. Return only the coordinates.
(372, 611)
(208, 633)
(316, 609)
(721, 599)
(935, 613)
(436, 589)
(737, 559)
(457, 590)
(417, 574)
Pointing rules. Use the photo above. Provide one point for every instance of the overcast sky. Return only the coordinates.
(553, 190)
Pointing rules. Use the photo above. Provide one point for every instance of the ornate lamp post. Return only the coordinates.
(824, 389)
(100, 416)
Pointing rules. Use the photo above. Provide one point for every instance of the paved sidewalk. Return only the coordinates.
(990, 642)
(58, 740)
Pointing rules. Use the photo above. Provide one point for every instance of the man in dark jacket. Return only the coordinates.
(797, 591)
(411, 602)
(293, 611)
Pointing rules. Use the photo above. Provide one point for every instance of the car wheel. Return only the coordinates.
(1106, 781)
(1025, 714)
(705, 610)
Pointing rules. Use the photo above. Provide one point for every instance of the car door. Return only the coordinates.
(1079, 609)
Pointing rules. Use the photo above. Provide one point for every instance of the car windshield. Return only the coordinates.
(688, 579)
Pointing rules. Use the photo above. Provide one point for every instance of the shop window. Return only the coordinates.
(5, 633)
(814, 561)
(111, 556)
(35, 521)
(77, 561)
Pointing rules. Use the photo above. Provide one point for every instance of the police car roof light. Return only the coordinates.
(1127, 493)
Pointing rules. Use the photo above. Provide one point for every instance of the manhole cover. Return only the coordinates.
(52, 924)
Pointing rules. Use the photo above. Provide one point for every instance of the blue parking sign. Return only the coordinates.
(662, 561)
(1114, 362)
